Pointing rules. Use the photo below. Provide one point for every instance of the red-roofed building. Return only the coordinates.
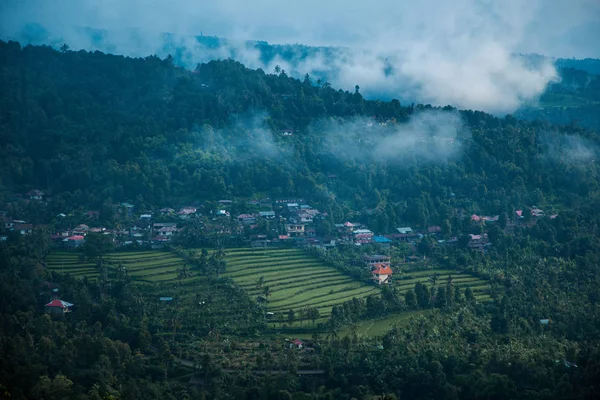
(247, 218)
(73, 241)
(434, 229)
(58, 307)
(23, 229)
(475, 218)
(7, 222)
(92, 214)
(382, 273)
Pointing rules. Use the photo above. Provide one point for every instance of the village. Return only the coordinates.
(272, 223)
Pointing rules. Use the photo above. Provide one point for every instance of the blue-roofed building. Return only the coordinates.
(382, 240)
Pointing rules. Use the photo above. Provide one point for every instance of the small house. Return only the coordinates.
(58, 307)
(23, 229)
(92, 214)
(186, 212)
(81, 229)
(7, 222)
(128, 208)
(35, 194)
(404, 230)
(294, 230)
(247, 218)
(296, 344)
(536, 212)
(432, 230)
(381, 274)
(377, 259)
(382, 240)
(73, 241)
(477, 242)
(519, 214)
(348, 226)
(267, 214)
(292, 207)
(362, 236)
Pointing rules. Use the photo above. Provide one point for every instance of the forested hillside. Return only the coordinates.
(88, 127)
(92, 130)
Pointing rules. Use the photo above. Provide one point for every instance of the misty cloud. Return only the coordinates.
(431, 136)
(438, 52)
(569, 149)
(246, 137)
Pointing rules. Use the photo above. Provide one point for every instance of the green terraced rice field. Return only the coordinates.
(407, 280)
(144, 266)
(296, 280)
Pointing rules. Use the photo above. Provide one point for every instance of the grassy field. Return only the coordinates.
(379, 327)
(295, 279)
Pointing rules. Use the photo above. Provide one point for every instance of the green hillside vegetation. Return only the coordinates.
(519, 318)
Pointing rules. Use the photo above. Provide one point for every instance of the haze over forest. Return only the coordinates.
(460, 53)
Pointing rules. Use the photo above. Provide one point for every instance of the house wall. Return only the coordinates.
(54, 311)
(380, 278)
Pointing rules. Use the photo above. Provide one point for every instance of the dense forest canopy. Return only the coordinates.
(91, 129)
(90, 126)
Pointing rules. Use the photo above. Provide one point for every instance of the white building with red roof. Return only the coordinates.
(58, 307)
(381, 273)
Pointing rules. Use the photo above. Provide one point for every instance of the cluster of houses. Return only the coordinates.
(9, 225)
(293, 222)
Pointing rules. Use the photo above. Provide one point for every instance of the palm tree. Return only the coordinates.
(260, 282)
(303, 315)
(313, 315)
(333, 332)
(221, 252)
(139, 300)
(183, 273)
(433, 280)
(266, 293)
(277, 69)
(354, 330)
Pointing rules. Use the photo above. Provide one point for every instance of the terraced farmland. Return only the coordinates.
(295, 279)
(144, 266)
(407, 280)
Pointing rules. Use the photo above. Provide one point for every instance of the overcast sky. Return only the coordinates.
(565, 28)
(456, 52)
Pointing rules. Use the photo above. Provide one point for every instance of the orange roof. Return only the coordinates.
(382, 270)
